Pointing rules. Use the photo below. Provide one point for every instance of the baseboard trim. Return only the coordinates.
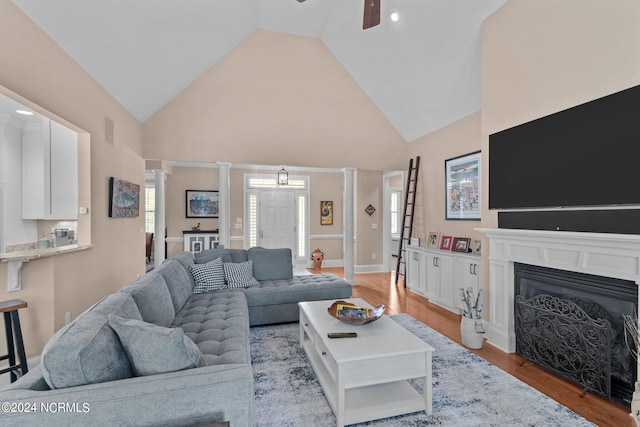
(376, 268)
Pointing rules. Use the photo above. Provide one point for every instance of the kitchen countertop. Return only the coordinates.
(41, 253)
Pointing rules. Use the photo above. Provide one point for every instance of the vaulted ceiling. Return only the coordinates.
(422, 72)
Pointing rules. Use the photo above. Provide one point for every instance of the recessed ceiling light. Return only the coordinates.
(394, 16)
(25, 112)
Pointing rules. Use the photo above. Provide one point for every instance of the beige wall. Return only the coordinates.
(323, 186)
(543, 56)
(276, 99)
(34, 67)
(457, 139)
(369, 240)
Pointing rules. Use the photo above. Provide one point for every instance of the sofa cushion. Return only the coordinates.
(218, 322)
(153, 349)
(239, 275)
(178, 282)
(208, 277)
(87, 350)
(227, 255)
(152, 296)
(185, 259)
(271, 264)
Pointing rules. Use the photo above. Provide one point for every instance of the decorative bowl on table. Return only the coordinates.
(355, 315)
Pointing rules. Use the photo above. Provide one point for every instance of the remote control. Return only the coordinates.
(342, 334)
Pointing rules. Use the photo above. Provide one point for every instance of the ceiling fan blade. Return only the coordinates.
(371, 14)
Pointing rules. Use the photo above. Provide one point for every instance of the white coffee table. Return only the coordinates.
(365, 378)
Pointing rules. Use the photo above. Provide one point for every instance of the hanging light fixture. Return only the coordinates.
(283, 177)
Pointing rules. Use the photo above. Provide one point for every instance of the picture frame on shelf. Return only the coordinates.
(461, 244)
(445, 243)
(476, 247)
(202, 203)
(434, 239)
(462, 187)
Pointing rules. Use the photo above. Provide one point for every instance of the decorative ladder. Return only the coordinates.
(407, 213)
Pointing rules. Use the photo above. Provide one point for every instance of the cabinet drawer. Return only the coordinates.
(327, 359)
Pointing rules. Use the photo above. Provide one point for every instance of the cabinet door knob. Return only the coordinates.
(324, 353)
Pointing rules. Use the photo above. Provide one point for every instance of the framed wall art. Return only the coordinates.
(462, 192)
(326, 212)
(124, 198)
(202, 203)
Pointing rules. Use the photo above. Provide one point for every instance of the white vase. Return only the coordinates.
(471, 337)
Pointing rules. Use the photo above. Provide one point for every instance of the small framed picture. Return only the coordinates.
(476, 247)
(461, 244)
(326, 212)
(445, 243)
(434, 238)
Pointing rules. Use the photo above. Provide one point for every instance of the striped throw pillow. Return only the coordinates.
(208, 277)
(239, 274)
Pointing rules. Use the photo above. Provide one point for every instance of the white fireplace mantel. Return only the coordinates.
(602, 254)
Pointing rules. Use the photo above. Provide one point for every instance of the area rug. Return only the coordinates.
(467, 390)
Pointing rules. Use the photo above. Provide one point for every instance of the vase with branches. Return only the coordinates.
(632, 339)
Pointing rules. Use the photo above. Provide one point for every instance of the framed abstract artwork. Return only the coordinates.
(202, 203)
(462, 192)
(326, 212)
(124, 199)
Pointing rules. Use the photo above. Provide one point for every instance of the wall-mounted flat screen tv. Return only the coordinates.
(588, 155)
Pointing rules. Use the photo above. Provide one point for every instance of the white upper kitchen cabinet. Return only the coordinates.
(49, 171)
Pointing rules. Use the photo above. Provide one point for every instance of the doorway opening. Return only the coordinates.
(277, 216)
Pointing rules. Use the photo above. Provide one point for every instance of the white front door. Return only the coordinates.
(277, 220)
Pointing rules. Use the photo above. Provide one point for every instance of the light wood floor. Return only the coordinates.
(379, 288)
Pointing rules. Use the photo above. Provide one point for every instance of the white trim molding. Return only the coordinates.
(602, 254)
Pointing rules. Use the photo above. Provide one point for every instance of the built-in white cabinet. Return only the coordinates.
(468, 272)
(416, 270)
(198, 241)
(438, 275)
(49, 171)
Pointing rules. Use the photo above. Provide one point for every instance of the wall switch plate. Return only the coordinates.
(82, 210)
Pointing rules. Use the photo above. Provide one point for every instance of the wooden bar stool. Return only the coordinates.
(14, 334)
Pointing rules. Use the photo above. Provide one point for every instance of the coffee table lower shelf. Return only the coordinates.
(367, 402)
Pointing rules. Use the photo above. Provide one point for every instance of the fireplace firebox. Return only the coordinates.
(572, 324)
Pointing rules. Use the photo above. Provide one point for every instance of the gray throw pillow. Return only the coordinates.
(153, 349)
(208, 277)
(239, 275)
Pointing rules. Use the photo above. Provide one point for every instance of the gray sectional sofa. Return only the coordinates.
(166, 350)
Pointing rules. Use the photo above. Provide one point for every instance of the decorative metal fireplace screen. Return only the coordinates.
(558, 335)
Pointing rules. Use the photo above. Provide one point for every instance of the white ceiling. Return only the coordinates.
(422, 72)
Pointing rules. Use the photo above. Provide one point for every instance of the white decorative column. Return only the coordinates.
(159, 237)
(348, 220)
(224, 204)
